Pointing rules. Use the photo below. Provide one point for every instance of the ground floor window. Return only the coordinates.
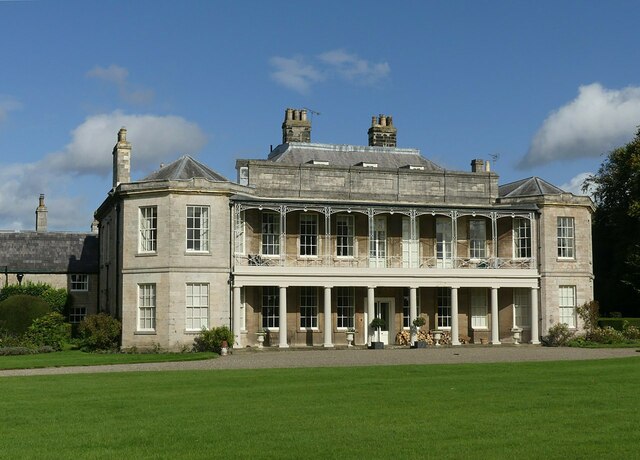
(444, 307)
(308, 307)
(197, 306)
(270, 307)
(146, 307)
(479, 308)
(522, 308)
(568, 305)
(345, 300)
(77, 314)
(406, 307)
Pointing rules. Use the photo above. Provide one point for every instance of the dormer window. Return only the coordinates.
(318, 162)
(416, 168)
(364, 164)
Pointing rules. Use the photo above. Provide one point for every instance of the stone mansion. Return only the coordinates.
(318, 239)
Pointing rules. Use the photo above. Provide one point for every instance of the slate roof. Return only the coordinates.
(531, 186)
(297, 153)
(185, 168)
(49, 252)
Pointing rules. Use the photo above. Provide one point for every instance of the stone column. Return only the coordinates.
(535, 334)
(495, 324)
(237, 314)
(370, 312)
(455, 339)
(413, 313)
(327, 318)
(283, 317)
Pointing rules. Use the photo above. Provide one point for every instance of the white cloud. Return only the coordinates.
(575, 184)
(154, 139)
(294, 73)
(119, 77)
(8, 104)
(595, 122)
(298, 74)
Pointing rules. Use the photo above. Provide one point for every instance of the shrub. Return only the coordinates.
(55, 298)
(99, 332)
(211, 340)
(49, 330)
(589, 312)
(18, 312)
(559, 336)
(630, 332)
(14, 351)
(606, 335)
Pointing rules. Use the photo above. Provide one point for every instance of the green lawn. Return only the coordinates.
(566, 410)
(79, 358)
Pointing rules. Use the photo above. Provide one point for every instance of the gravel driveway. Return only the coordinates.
(290, 358)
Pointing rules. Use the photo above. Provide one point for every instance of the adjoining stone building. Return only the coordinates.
(61, 259)
(317, 239)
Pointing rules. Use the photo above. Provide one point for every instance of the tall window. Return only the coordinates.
(345, 301)
(197, 306)
(79, 282)
(444, 245)
(146, 307)
(378, 244)
(522, 238)
(566, 238)
(148, 228)
(477, 238)
(270, 234)
(344, 236)
(444, 307)
(568, 305)
(406, 308)
(270, 307)
(479, 308)
(308, 234)
(522, 308)
(198, 228)
(309, 307)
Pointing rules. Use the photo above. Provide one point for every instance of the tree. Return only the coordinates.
(616, 229)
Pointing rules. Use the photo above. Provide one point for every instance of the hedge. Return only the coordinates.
(617, 323)
(18, 312)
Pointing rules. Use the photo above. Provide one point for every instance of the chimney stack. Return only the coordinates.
(382, 132)
(477, 165)
(121, 159)
(41, 215)
(296, 126)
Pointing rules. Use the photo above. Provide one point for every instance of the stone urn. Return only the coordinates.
(261, 338)
(350, 338)
(517, 335)
(437, 335)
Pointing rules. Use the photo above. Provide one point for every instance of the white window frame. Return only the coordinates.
(270, 239)
(345, 236)
(197, 221)
(479, 309)
(271, 308)
(522, 308)
(521, 238)
(444, 242)
(146, 319)
(567, 302)
(197, 306)
(378, 244)
(308, 308)
(345, 308)
(444, 308)
(79, 282)
(148, 229)
(566, 238)
(477, 238)
(406, 308)
(308, 235)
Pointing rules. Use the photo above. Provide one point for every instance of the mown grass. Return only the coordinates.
(79, 358)
(583, 409)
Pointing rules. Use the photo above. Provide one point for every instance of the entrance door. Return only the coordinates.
(382, 309)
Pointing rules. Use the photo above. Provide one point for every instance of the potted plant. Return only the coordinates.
(417, 324)
(261, 334)
(351, 335)
(377, 324)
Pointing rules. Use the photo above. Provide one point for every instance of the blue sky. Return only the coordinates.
(548, 87)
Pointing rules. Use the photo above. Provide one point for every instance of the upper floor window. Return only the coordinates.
(344, 236)
(79, 282)
(148, 228)
(270, 234)
(477, 238)
(146, 307)
(198, 228)
(522, 238)
(308, 234)
(568, 305)
(566, 239)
